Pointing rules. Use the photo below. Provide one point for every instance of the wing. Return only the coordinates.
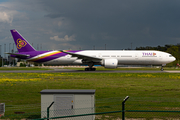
(84, 57)
(20, 55)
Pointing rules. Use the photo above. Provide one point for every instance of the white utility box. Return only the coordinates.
(68, 103)
(2, 109)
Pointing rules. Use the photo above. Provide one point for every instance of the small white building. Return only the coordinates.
(2, 109)
(68, 102)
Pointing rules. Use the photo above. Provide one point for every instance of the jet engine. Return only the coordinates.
(110, 63)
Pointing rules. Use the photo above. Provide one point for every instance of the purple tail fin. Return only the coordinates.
(21, 43)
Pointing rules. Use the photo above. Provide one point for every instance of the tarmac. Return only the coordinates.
(82, 71)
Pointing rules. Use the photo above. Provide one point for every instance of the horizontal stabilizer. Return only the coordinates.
(20, 55)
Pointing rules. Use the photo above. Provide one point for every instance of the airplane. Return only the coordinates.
(106, 58)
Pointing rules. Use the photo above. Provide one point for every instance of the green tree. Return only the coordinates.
(174, 51)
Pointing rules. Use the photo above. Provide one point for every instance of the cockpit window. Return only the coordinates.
(170, 55)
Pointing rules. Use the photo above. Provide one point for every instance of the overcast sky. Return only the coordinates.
(89, 24)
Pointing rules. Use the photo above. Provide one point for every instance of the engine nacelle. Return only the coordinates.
(110, 63)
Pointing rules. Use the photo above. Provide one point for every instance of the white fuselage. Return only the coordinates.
(124, 57)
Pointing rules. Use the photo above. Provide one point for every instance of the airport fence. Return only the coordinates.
(106, 109)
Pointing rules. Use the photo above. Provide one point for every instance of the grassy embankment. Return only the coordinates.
(23, 68)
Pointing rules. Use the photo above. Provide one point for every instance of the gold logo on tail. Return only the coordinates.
(20, 43)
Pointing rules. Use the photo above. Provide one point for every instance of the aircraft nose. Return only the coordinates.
(173, 58)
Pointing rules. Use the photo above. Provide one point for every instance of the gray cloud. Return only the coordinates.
(53, 15)
(122, 20)
(116, 23)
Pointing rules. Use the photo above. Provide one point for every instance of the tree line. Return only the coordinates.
(172, 49)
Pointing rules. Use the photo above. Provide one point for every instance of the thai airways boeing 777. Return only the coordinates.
(106, 58)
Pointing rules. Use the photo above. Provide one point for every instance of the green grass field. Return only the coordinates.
(22, 68)
(161, 91)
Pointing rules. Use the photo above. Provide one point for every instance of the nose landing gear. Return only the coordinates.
(162, 67)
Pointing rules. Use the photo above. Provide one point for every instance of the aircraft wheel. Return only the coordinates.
(162, 69)
(90, 69)
(93, 69)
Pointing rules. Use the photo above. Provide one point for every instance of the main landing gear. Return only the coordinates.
(90, 68)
